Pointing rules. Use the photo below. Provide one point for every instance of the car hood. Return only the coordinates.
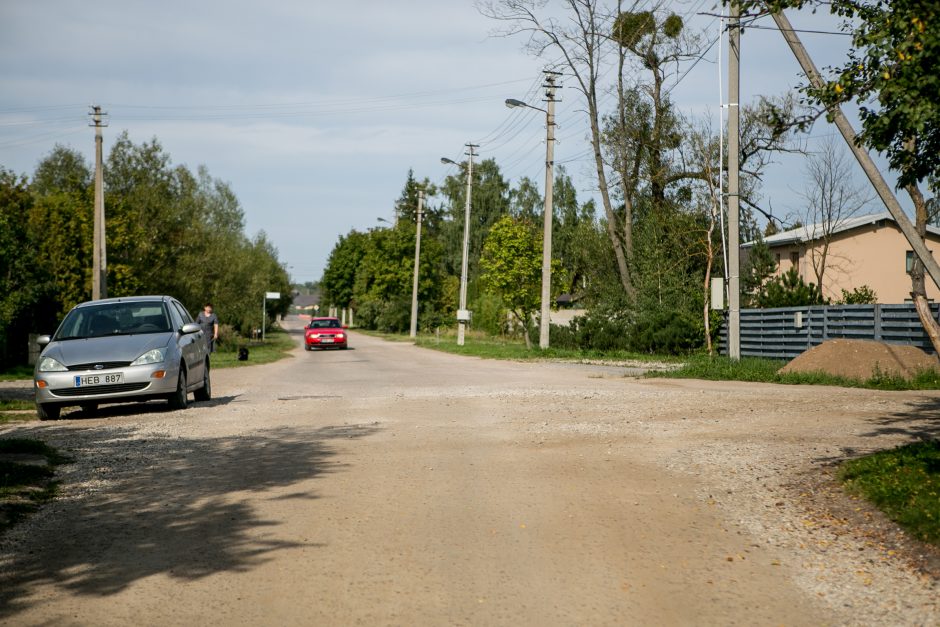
(101, 349)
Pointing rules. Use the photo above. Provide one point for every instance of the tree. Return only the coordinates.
(789, 290)
(20, 288)
(582, 47)
(890, 75)
(512, 269)
(339, 276)
(831, 197)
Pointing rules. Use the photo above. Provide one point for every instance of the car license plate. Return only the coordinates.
(90, 380)
(327, 340)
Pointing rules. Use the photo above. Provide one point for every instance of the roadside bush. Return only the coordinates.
(669, 332)
(489, 314)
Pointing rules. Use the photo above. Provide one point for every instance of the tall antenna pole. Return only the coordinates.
(99, 270)
(734, 238)
(549, 211)
(463, 315)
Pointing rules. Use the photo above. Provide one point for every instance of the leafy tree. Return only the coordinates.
(861, 295)
(339, 276)
(757, 271)
(789, 290)
(20, 287)
(512, 269)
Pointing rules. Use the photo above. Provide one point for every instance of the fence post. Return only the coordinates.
(876, 312)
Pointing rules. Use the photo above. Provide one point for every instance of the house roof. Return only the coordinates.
(815, 231)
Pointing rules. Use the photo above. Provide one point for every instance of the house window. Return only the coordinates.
(909, 260)
(795, 259)
(778, 260)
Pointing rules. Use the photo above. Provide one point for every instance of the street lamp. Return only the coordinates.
(544, 323)
(463, 316)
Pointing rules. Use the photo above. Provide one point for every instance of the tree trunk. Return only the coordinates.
(918, 284)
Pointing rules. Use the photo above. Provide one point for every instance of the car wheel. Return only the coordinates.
(205, 392)
(48, 411)
(90, 408)
(307, 347)
(179, 398)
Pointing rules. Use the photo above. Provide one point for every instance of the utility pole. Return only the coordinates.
(734, 152)
(861, 155)
(414, 283)
(463, 316)
(99, 271)
(549, 211)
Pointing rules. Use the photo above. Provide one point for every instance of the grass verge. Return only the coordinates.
(487, 347)
(27, 477)
(277, 345)
(904, 483)
(16, 410)
(16, 373)
(765, 371)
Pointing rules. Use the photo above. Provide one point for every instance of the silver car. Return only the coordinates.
(122, 350)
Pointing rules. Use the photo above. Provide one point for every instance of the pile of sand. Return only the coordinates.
(860, 359)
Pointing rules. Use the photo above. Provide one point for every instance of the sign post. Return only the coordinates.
(264, 309)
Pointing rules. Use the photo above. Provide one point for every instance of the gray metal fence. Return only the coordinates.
(785, 332)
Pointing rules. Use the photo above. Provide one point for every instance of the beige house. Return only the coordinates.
(863, 250)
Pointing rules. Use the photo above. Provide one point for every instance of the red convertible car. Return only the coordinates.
(324, 333)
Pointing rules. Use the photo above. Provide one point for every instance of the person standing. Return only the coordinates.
(210, 325)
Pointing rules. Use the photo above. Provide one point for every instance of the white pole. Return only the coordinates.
(462, 323)
(414, 283)
(549, 214)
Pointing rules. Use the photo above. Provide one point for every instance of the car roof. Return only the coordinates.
(125, 299)
(324, 318)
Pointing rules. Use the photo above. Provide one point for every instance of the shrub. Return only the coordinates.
(669, 332)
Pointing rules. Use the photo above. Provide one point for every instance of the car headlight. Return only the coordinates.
(314, 335)
(48, 364)
(154, 356)
(339, 336)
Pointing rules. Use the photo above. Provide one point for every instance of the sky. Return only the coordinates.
(314, 112)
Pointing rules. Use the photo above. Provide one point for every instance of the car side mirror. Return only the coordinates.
(42, 340)
(190, 327)
(345, 326)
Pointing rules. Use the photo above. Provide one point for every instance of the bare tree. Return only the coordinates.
(832, 197)
(582, 40)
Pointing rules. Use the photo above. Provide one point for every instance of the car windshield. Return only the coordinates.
(324, 324)
(126, 318)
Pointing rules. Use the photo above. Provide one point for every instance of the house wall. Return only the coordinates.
(873, 255)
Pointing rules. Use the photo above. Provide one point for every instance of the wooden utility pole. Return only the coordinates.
(463, 316)
(734, 238)
(99, 271)
(864, 159)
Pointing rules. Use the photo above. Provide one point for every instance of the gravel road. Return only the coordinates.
(389, 484)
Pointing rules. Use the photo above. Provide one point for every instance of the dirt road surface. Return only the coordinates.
(393, 485)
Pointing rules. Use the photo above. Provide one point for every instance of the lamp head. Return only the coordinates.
(513, 103)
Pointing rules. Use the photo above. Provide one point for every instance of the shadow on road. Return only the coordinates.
(921, 421)
(163, 506)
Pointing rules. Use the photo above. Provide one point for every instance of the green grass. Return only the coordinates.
(26, 486)
(277, 345)
(765, 371)
(488, 347)
(16, 373)
(7, 406)
(904, 483)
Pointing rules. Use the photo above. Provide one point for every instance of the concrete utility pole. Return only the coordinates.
(463, 315)
(99, 271)
(549, 211)
(734, 205)
(864, 159)
(414, 283)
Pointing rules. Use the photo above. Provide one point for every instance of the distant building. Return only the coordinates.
(863, 250)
